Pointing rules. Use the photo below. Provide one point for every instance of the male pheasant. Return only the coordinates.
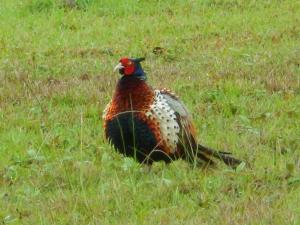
(152, 125)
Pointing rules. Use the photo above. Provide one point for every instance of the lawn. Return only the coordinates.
(235, 64)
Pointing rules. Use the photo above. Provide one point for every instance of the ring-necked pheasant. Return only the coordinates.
(152, 125)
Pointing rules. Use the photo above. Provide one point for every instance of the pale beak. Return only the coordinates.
(118, 67)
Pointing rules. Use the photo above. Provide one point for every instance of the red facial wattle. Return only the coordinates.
(129, 66)
(128, 70)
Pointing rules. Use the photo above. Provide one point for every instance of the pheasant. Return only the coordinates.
(153, 125)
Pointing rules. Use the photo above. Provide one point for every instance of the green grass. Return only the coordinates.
(234, 63)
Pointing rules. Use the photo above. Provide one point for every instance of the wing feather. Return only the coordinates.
(187, 134)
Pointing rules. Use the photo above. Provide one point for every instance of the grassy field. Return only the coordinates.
(234, 63)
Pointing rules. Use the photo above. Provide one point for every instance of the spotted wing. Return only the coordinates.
(187, 133)
(164, 118)
(172, 117)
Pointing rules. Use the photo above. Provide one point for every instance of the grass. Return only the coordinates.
(234, 63)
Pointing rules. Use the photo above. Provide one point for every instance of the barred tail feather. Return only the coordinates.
(223, 156)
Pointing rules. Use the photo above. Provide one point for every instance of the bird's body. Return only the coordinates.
(152, 125)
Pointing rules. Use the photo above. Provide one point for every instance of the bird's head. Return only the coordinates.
(131, 67)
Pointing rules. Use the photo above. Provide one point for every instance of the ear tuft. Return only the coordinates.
(139, 59)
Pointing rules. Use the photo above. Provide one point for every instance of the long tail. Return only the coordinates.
(206, 152)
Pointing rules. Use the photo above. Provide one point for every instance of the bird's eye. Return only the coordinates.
(129, 63)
